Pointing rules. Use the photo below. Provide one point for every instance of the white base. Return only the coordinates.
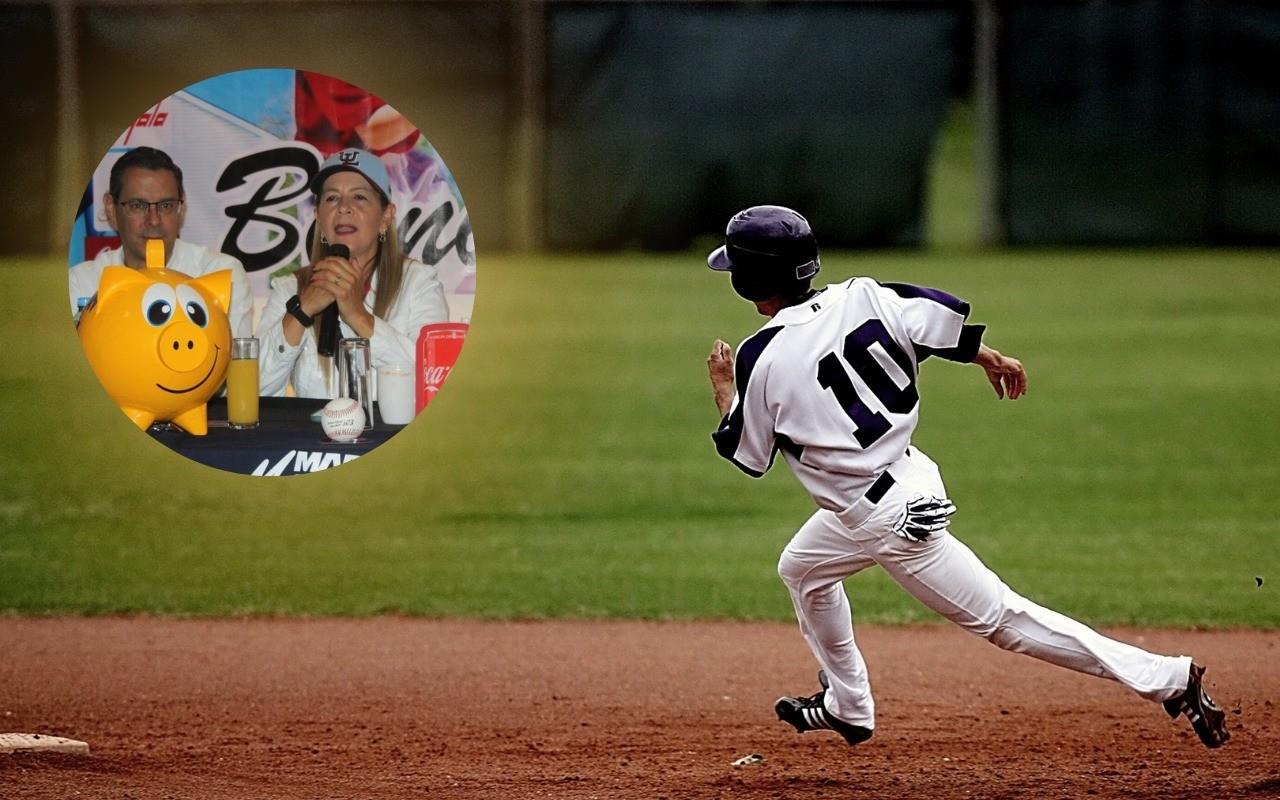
(42, 743)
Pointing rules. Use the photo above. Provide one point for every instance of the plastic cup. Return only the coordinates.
(396, 395)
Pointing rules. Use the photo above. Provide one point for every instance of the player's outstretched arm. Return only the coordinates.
(720, 369)
(1007, 375)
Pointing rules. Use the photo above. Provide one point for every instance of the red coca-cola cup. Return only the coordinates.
(438, 349)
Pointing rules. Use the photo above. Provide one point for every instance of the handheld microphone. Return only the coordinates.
(330, 330)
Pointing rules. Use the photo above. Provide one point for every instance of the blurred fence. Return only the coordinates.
(663, 119)
(1141, 122)
(614, 124)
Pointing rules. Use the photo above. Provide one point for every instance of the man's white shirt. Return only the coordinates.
(191, 259)
(831, 383)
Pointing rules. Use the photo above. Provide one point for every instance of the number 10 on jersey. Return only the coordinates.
(869, 425)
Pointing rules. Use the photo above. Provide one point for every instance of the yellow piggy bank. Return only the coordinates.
(159, 340)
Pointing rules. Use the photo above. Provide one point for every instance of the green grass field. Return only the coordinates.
(567, 470)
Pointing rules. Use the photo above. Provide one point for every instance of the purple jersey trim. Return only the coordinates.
(910, 290)
(965, 351)
(788, 445)
(729, 435)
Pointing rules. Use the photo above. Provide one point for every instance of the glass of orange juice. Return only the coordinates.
(242, 385)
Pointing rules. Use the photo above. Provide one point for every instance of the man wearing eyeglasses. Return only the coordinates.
(145, 200)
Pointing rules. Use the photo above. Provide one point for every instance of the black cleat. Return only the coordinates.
(1208, 721)
(809, 714)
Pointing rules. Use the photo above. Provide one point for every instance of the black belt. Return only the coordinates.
(883, 484)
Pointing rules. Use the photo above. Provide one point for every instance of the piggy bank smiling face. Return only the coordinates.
(159, 342)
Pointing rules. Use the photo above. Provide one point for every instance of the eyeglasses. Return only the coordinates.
(141, 208)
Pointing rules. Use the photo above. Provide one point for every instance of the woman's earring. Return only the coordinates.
(382, 236)
(323, 240)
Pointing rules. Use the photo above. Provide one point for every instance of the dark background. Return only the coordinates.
(646, 124)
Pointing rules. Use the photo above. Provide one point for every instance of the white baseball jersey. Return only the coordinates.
(831, 382)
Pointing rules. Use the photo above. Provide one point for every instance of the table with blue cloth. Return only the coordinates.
(286, 441)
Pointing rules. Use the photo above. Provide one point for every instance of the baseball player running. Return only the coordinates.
(830, 381)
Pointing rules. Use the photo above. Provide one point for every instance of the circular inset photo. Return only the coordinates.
(272, 271)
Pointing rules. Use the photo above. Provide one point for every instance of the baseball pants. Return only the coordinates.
(947, 577)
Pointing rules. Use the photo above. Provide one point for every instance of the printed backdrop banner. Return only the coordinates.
(248, 144)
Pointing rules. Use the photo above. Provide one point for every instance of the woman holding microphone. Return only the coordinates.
(380, 294)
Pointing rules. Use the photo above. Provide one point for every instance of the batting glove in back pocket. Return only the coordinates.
(923, 517)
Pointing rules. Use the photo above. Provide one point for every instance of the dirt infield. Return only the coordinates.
(391, 708)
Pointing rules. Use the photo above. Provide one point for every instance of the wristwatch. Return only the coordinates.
(294, 306)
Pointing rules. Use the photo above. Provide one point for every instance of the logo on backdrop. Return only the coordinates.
(153, 118)
(282, 176)
(268, 201)
(298, 462)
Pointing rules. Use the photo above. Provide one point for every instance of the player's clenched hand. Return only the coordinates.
(1007, 375)
(720, 369)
